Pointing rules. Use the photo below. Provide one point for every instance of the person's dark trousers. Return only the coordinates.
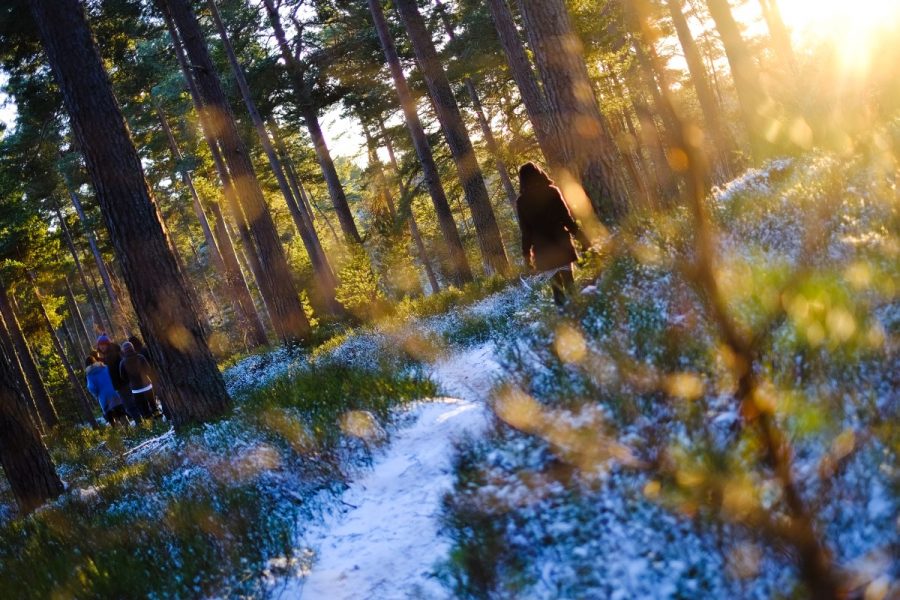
(116, 416)
(562, 284)
(131, 405)
(145, 403)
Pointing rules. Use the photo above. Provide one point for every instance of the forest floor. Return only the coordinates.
(384, 464)
(383, 541)
(381, 537)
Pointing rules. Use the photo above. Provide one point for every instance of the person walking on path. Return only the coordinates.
(100, 385)
(135, 369)
(547, 230)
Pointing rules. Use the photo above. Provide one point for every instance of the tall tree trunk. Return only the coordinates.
(325, 278)
(9, 356)
(459, 265)
(715, 124)
(407, 193)
(283, 302)
(300, 206)
(483, 123)
(238, 294)
(81, 330)
(248, 315)
(309, 111)
(251, 325)
(98, 294)
(488, 232)
(24, 457)
(751, 95)
(375, 163)
(119, 321)
(590, 153)
(23, 351)
(529, 89)
(778, 31)
(70, 243)
(211, 245)
(159, 292)
(82, 402)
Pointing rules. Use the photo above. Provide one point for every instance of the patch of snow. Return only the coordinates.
(385, 542)
(467, 374)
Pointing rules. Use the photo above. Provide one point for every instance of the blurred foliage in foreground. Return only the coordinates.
(622, 461)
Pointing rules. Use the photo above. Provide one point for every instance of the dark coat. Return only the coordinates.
(112, 357)
(100, 385)
(135, 369)
(547, 228)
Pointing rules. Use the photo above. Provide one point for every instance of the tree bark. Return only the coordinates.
(24, 457)
(299, 205)
(325, 278)
(82, 402)
(389, 200)
(119, 321)
(248, 315)
(8, 354)
(81, 330)
(483, 123)
(70, 243)
(459, 265)
(751, 95)
(308, 110)
(529, 89)
(778, 31)
(211, 245)
(699, 77)
(283, 302)
(590, 152)
(475, 191)
(159, 292)
(45, 407)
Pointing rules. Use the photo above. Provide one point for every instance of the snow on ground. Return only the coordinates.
(384, 540)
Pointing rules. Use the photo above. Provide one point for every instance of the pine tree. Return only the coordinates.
(590, 153)
(751, 95)
(282, 299)
(529, 89)
(23, 455)
(39, 393)
(325, 278)
(159, 292)
(712, 116)
(306, 105)
(459, 266)
(454, 130)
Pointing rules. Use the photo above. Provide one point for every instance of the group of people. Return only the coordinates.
(547, 230)
(121, 379)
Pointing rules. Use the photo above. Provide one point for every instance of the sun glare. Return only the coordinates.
(851, 27)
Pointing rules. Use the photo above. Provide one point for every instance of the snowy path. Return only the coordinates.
(385, 544)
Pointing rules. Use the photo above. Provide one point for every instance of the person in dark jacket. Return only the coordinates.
(141, 349)
(110, 353)
(100, 385)
(547, 229)
(135, 369)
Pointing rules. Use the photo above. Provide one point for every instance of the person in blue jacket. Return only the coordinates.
(100, 385)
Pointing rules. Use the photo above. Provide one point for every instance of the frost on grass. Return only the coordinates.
(530, 517)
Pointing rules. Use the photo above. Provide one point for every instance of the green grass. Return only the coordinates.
(203, 516)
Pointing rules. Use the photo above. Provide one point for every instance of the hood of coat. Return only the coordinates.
(97, 366)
